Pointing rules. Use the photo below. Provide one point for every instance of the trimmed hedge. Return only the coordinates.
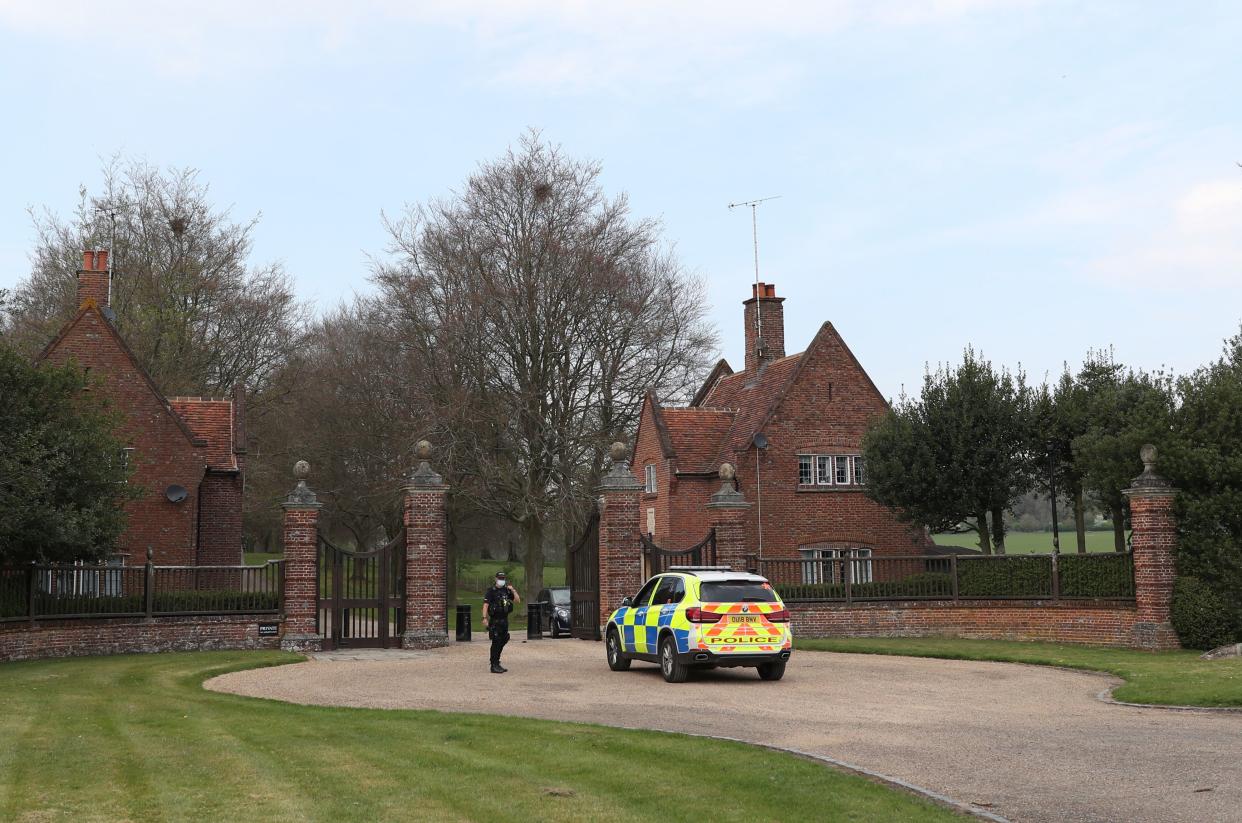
(1200, 616)
(1017, 576)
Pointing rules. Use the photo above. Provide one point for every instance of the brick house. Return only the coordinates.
(188, 453)
(792, 425)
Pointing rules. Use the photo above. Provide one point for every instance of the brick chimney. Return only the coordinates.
(94, 278)
(764, 311)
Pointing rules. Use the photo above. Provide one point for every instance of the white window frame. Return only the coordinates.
(806, 461)
(824, 468)
(841, 465)
(650, 477)
(823, 477)
(813, 571)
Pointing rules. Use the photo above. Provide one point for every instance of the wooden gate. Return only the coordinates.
(361, 595)
(582, 575)
(656, 559)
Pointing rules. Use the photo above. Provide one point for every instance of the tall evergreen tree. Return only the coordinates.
(958, 456)
(61, 476)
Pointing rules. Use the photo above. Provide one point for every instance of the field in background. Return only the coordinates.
(1033, 542)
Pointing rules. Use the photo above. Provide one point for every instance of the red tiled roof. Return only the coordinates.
(751, 396)
(696, 435)
(212, 420)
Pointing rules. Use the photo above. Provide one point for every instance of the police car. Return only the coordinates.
(701, 617)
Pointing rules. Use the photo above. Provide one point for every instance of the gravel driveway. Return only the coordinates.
(1025, 742)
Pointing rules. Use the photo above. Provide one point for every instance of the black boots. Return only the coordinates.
(498, 669)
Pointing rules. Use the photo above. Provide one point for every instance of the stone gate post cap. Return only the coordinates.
(1149, 483)
(302, 496)
(727, 471)
(424, 476)
(618, 451)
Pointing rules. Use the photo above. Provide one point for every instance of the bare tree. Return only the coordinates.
(199, 318)
(535, 312)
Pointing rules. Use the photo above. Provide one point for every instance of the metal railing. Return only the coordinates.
(64, 591)
(1099, 576)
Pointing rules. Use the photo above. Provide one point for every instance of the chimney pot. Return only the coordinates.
(93, 278)
(764, 309)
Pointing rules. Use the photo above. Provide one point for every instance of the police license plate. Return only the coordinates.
(744, 618)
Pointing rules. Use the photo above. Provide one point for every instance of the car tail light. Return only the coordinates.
(696, 615)
(779, 616)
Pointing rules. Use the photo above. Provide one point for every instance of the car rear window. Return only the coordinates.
(737, 591)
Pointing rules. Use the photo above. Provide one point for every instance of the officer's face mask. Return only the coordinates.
(500, 584)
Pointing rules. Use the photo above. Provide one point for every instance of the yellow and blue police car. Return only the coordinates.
(701, 617)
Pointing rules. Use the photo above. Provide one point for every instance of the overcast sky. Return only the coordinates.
(1035, 179)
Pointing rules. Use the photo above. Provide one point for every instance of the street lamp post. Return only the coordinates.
(1052, 493)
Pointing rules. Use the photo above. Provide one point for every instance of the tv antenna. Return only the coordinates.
(754, 229)
(110, 209)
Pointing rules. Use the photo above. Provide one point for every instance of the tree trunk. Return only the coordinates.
(985, 539)
(1119, 528)
(1080, 520)
(998, 529)
(532, 529)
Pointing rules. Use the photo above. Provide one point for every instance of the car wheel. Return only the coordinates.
(674, 670)
(617, 661)
(772, 671)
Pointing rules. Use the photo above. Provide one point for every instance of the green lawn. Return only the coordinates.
(259, 558)
(1033, 542)
(1177, 678)
(136, 738)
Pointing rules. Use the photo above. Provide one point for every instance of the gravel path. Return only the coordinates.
(1025, 742)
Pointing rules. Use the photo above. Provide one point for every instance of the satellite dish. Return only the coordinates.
(175, 493)
(760, 441)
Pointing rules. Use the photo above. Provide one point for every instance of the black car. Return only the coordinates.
(556, 613)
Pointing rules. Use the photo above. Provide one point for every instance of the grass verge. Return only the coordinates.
(137, 738)
(1177, 678)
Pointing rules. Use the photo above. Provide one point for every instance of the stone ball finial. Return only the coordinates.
(301, 470)
(727, 471)
(422, 449)
(1148, 455)
(618, 452)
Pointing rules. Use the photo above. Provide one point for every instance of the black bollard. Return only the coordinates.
(534, 621)
(463, 623)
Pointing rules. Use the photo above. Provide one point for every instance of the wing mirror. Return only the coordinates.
(628, 601)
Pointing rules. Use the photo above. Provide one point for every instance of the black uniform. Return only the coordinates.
(499, 603)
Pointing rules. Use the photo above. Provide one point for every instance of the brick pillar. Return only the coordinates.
(620, 548)
(727, 514)
(426, 556)
(301, 542)
(1154, 542)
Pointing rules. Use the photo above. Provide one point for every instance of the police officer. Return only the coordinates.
(497, 604)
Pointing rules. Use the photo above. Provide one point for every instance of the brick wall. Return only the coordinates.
(1063, 622)
(163, 454)
(620, 553)
(77, 638)
(426, 609)
(826, 411)
(220, 520)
